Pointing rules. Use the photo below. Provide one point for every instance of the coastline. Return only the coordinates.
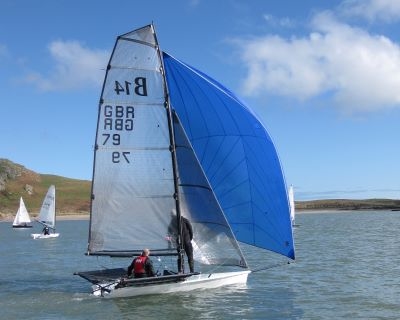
(5, 217)
(333, 210)
(73, 216)
(8, 217)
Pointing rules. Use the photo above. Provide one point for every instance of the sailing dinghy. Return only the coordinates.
(22, 219)
(47, 216)
(292, 206)
(170, 138)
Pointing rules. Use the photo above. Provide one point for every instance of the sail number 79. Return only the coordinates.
(116, 139)
(117, 156)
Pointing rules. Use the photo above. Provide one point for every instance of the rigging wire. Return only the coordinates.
(270, 267)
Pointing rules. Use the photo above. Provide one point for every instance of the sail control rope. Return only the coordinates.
(270, 267)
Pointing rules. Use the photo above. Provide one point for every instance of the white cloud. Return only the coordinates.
(372, 10)
(278, 22)
(75, 67)
(361, 71)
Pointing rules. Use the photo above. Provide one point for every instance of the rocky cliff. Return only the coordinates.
(17, 181)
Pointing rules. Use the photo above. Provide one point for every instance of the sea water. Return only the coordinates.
(347, 267)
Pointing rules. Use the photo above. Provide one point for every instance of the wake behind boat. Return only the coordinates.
(47, 216)
(22, 219)
(171, 139)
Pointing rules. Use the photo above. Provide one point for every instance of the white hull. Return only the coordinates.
(43, 236)
(195, 282)
(21, 226)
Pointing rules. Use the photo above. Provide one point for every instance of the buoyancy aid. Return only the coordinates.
(138, 266)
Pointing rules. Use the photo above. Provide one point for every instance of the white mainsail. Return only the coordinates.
(47, 215)
(133, 183)
(291, 203)
(22, 216)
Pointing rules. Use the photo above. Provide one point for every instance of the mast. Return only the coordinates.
(173, 153)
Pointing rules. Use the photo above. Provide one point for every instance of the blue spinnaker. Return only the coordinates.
(237, 155)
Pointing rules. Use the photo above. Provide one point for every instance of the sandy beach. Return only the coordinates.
(63, 216)
(7, 217)
(73, 216)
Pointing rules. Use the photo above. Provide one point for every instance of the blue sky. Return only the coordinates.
(324, 77)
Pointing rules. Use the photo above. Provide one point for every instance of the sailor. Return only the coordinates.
(46, 231)
(187, 237)
(142, 266)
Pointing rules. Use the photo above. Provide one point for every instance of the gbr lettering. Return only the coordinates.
(118, 118)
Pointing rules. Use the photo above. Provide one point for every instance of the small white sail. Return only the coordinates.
(47, 215)
(22, 217)
(291, 202)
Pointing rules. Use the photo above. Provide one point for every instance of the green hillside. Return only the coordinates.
(72, 195)
(347, 204)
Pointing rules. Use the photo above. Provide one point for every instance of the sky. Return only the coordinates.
(323, 77)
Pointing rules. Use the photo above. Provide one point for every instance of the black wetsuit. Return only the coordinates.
(187, 237)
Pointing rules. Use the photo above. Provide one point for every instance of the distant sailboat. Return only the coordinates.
(47, 216)
(171, 139)
(292, 206)
(22, 219)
